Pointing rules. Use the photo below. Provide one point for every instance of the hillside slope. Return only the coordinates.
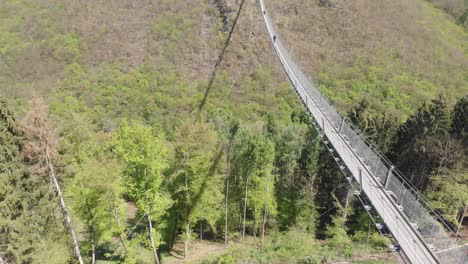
(399, 52)
(123, 82)
(395, 53)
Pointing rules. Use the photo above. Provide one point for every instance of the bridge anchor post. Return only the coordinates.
(342, 123)
(389, 173)
(360, 178)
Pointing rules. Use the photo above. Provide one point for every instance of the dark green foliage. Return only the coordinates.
(28, 215)
(223, 13)
(379, 129)
(431, 149)
(330, 184)
(460, 120)
(422, 143)
(11, 207)
(296, 157)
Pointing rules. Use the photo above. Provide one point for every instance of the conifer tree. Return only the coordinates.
(11, 207)
(40, 151)
(30, 226)
(422, 144)
(460, 120)
(379, 129)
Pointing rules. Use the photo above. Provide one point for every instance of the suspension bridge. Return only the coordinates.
(421, 234)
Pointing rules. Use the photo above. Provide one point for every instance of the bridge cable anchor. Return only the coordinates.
(389, 174)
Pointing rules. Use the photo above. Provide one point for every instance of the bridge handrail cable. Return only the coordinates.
(415, 205)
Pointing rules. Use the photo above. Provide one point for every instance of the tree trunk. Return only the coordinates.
(174, 232)
(265, 214)
(461, 218)
(76, 248)
(187, 236)
(263, 227)
(345, 213)
(245, 210)
(226, 214)
(227, 199)
(367, 240)
(255, 223)
(150, 231)
(117, 220)
(93, 252)
(201, 230)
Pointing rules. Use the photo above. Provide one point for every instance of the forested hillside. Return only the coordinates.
(132, 131)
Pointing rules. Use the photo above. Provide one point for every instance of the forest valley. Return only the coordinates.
(135, 188)
(122, 142)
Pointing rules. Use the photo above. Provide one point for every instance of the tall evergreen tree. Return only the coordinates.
(330, 185)
(11, 179)
(460, 120)
(40, 152)
(421, 142)
(31, 230)
(379, 129)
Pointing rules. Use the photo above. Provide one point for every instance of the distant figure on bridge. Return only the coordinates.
(274, 38)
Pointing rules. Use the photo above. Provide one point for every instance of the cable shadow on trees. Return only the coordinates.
(220, 59)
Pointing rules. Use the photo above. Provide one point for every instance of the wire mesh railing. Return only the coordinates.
(431, 225)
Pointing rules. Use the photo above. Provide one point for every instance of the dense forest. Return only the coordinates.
(133, 132)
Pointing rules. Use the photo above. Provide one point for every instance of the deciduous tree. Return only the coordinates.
(145, 156)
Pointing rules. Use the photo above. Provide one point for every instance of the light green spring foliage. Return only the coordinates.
(87, 103)
(253, 163)
(290, 142)
(145, 157)
(448, 193)
(96, 190)
(294, 246)
(336, 231)
(262, 179)
(389, 85)
(102, 97)
(365, 236)
(199, 184)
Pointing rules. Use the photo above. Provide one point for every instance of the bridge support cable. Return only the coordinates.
(415, 225)
(398, 255)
